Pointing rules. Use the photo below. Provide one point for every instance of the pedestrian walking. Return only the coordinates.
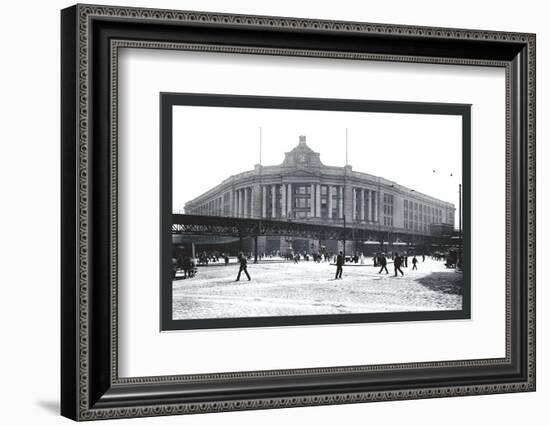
(406, 258)
(339, 266)
(423, 258)
(397, 262)
(382, 262)
(414, 261)
(242, 267)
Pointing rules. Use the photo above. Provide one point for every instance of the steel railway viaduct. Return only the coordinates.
(220, 226)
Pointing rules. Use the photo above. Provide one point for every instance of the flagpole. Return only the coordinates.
(261, 200)
(344, 196)
(347, 146)
(260, 146)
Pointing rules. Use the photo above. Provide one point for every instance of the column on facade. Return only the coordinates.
(376, 200)
(318, 200)
(341, 202)
(240, 203)
(222, 206)
(246, 212)
(273, 200)
(289, 201)
(231, 205)
(264, 201)
(312, 201)
(253, 202)
(362, 204)
(329, 192)
(257, 198)
(369, 205)
(246, 201)
(283, 200)
(354, 203)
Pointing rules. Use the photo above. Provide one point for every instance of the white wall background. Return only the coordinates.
(29, 225)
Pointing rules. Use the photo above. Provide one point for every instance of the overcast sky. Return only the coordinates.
(212, 143)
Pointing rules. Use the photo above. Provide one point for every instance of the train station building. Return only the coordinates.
(303, 189)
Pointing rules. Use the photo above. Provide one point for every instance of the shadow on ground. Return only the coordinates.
(50, 406)
(445, 282)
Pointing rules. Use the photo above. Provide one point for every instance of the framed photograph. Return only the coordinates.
(300, 222)
(263, 212)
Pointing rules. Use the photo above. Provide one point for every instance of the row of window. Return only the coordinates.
(388, 210)
(418, 217)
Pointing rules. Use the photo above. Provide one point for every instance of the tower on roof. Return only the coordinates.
(302, 155)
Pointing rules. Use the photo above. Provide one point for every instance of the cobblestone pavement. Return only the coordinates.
(308, 288)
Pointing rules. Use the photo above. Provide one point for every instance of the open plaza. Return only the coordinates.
(278, 287)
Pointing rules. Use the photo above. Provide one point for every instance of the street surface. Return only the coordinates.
(280, 288)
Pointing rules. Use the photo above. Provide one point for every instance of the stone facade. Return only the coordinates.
(304, 189)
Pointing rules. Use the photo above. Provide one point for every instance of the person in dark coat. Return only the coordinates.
(339, 266)
(382, 262)
(415, 261)
(397, 262)
(242, 267)
(186, 266)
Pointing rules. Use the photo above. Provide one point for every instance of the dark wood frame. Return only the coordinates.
(90, 386)
(169, 100)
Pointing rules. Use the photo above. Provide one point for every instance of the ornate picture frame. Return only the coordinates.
(91, 387)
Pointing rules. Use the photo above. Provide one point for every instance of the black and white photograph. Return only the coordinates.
(313, 211)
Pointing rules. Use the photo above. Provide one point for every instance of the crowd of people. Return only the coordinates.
(188, 265)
